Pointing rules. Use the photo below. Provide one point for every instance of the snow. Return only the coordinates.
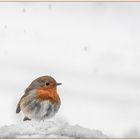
(133, 132)
(53, 128)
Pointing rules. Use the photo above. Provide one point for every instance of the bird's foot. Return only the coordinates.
(26, 119)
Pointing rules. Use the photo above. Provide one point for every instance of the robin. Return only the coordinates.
(40, 100)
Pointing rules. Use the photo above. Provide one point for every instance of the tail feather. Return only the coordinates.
(18, 109)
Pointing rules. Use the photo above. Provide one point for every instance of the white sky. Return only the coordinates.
(92, 48)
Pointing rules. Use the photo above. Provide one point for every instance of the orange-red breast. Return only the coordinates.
(40, 100)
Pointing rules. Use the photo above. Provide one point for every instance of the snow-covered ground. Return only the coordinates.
(55, 128)
(92, 48)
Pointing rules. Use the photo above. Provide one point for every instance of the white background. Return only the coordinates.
(92, 48)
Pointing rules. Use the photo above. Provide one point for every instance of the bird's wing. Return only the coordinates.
(18, 105)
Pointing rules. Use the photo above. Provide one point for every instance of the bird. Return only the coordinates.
(40, 100)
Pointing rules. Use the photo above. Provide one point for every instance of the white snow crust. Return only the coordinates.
(55, 128)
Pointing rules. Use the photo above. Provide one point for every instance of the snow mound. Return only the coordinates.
(48, 129)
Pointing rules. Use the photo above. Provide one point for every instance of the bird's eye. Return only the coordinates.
(47, 83)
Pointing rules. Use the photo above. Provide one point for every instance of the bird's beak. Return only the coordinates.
(58, 84)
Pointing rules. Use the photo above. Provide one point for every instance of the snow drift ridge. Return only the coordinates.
(48, 129)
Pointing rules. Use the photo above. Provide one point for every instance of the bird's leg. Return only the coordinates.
(26, 119)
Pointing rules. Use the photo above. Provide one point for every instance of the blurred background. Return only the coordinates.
(93, 48)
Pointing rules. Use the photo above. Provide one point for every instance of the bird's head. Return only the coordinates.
(46, 82)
